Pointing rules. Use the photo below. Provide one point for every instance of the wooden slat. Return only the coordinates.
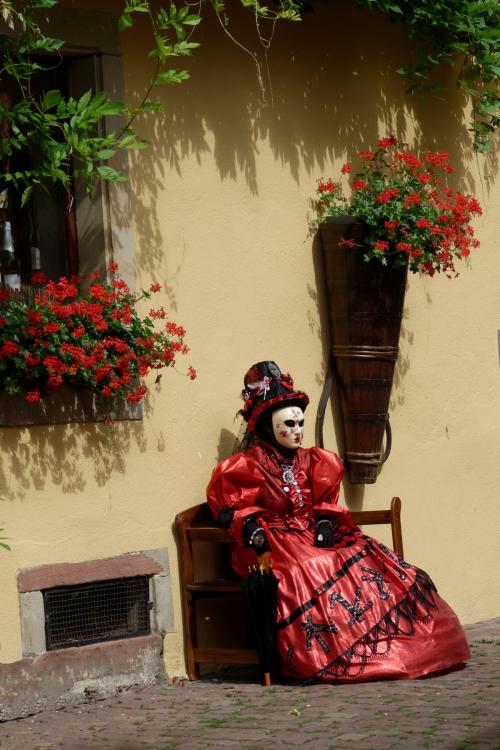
(397, 533)
(225, 656)
(219, 587)
(368, 517)
(209, 534)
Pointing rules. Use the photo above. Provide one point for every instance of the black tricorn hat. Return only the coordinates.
(265, 387)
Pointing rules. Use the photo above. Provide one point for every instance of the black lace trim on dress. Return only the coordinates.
(340, 573)
(416, 607)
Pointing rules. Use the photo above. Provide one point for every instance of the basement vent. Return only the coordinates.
(92, 612)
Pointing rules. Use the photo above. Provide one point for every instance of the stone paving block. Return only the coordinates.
(455, 711)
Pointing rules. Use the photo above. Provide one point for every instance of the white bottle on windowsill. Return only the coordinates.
(36, 264)
(10, 264)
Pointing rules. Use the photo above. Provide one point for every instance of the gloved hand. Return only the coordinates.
(254, 536)
(324, 533)
(225, 517)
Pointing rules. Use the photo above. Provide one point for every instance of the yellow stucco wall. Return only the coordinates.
(220, 217)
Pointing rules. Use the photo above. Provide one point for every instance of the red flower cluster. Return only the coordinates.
(411, 215)
(95, 339)
(326, 186)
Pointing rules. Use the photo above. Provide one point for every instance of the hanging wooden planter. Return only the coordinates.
(365, 302)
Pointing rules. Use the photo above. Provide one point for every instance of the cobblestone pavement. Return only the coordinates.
(456, 711)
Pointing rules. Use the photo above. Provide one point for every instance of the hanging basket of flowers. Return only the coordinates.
(400, 215)
(83, 334)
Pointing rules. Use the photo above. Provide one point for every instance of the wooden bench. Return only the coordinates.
(197, 526)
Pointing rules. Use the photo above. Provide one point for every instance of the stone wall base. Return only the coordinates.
(71, 676)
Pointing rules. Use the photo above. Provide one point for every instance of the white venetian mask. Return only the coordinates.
(288, 426)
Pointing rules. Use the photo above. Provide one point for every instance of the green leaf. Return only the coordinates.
(137, 6)
(125, 21)
(43, 3)
(170, 77)
(131, 141)
(51, 99)
(191, 20)
(151, 107)
(110, 174)
(84, 100)
(184, 48)
(26, 195)
(105, 153)
(110, 108)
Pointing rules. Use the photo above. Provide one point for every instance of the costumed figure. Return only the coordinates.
(348, 608)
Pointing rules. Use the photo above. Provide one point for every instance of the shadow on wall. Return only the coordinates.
(61, 454)
(33, 456)
(333, 91)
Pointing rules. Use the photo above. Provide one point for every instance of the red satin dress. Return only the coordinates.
(354, 612)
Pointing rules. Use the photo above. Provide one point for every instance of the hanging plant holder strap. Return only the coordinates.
(325, 395)
(372, 458)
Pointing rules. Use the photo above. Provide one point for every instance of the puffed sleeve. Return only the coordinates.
(236, 483)
(327, 471)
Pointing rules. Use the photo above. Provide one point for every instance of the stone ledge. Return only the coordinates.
(70, 574)
(72, 676)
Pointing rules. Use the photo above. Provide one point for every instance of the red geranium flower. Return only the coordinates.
(404, 197)
(9, 348)
(95, 338)
(326, 186)
(387, 142)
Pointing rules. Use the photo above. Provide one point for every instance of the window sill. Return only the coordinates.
(65, 405)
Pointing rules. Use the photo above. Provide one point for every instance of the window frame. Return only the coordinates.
(101, 226)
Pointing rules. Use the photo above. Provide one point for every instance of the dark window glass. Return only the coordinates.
(39, 236)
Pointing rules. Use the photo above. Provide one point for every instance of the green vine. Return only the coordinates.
(451, 31)
(64, 130)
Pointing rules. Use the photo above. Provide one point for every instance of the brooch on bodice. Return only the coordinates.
(290, 484)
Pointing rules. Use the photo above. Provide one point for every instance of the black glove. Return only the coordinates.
(225, 517)
(324, 533)
(254, 536)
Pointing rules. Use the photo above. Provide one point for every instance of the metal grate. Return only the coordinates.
(92, 612)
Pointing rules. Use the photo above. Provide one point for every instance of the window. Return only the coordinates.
(40, 236)
(61, 233)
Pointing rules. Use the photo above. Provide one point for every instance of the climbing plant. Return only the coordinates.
(463, 32)
(64, 130)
